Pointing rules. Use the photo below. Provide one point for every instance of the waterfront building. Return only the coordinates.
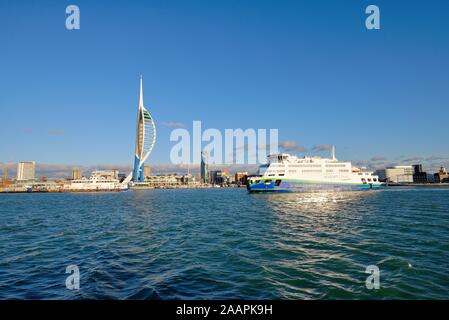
(111, 174)
(403, 174)
(430, 178)
(26, 170)
(219, 177)
(5, 181)
(163, 180)
(5, 171)
(204, 167)
(241, 178)
(381, 173)
(147, 171)
(442, 176)
(188, 179)
(216, 177)
(419, 176)
(169, 180)
(399, 174)
(145, 139)
(76, 174)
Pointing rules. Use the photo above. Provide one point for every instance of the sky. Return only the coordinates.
(310, 69)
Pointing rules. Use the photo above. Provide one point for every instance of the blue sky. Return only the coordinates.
(309, 68)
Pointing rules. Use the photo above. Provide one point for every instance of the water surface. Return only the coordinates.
(226, 243)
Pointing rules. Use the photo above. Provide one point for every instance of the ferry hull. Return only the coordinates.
(303, 186)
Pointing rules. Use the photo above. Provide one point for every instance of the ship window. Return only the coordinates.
(281, 174)
(374, 179)
(268, 181)
(271, 175)
(257, 181)
(369, 179)
(278, 183)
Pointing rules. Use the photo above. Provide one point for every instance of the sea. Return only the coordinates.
(224, 243)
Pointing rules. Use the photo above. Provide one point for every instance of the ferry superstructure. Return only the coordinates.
(97, 182)
(288, 173)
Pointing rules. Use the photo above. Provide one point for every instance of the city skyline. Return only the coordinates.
(267, 67)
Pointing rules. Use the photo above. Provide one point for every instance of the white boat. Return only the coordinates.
(288, 173)
(98, 181)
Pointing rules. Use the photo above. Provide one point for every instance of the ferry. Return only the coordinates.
(288, 173)
(98, 181)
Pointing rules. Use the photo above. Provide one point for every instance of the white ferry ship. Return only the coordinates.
(98, 181)
(287, 173)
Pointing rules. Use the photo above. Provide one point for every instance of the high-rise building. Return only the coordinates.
(419, 176)
(26, 170)
(4, 181)
(204, 168)
(145, 139)
(76, 174)
(147, 171)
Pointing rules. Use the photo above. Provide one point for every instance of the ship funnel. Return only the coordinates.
(333, 152)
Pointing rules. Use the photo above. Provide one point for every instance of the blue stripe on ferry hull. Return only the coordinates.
(292, 186)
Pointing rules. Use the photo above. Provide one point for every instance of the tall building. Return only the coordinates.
(204, 169)
(145, 139)
(419, 176)
(147, 171)
(76, 174)
(5, 171)
(4, 181)
(26, 170)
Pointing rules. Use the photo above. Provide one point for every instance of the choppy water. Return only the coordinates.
(225, 243)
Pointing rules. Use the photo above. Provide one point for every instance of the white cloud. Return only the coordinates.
(173, 124)
(290, 145)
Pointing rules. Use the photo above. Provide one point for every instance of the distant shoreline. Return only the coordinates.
(139, 188)
(417, 185)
